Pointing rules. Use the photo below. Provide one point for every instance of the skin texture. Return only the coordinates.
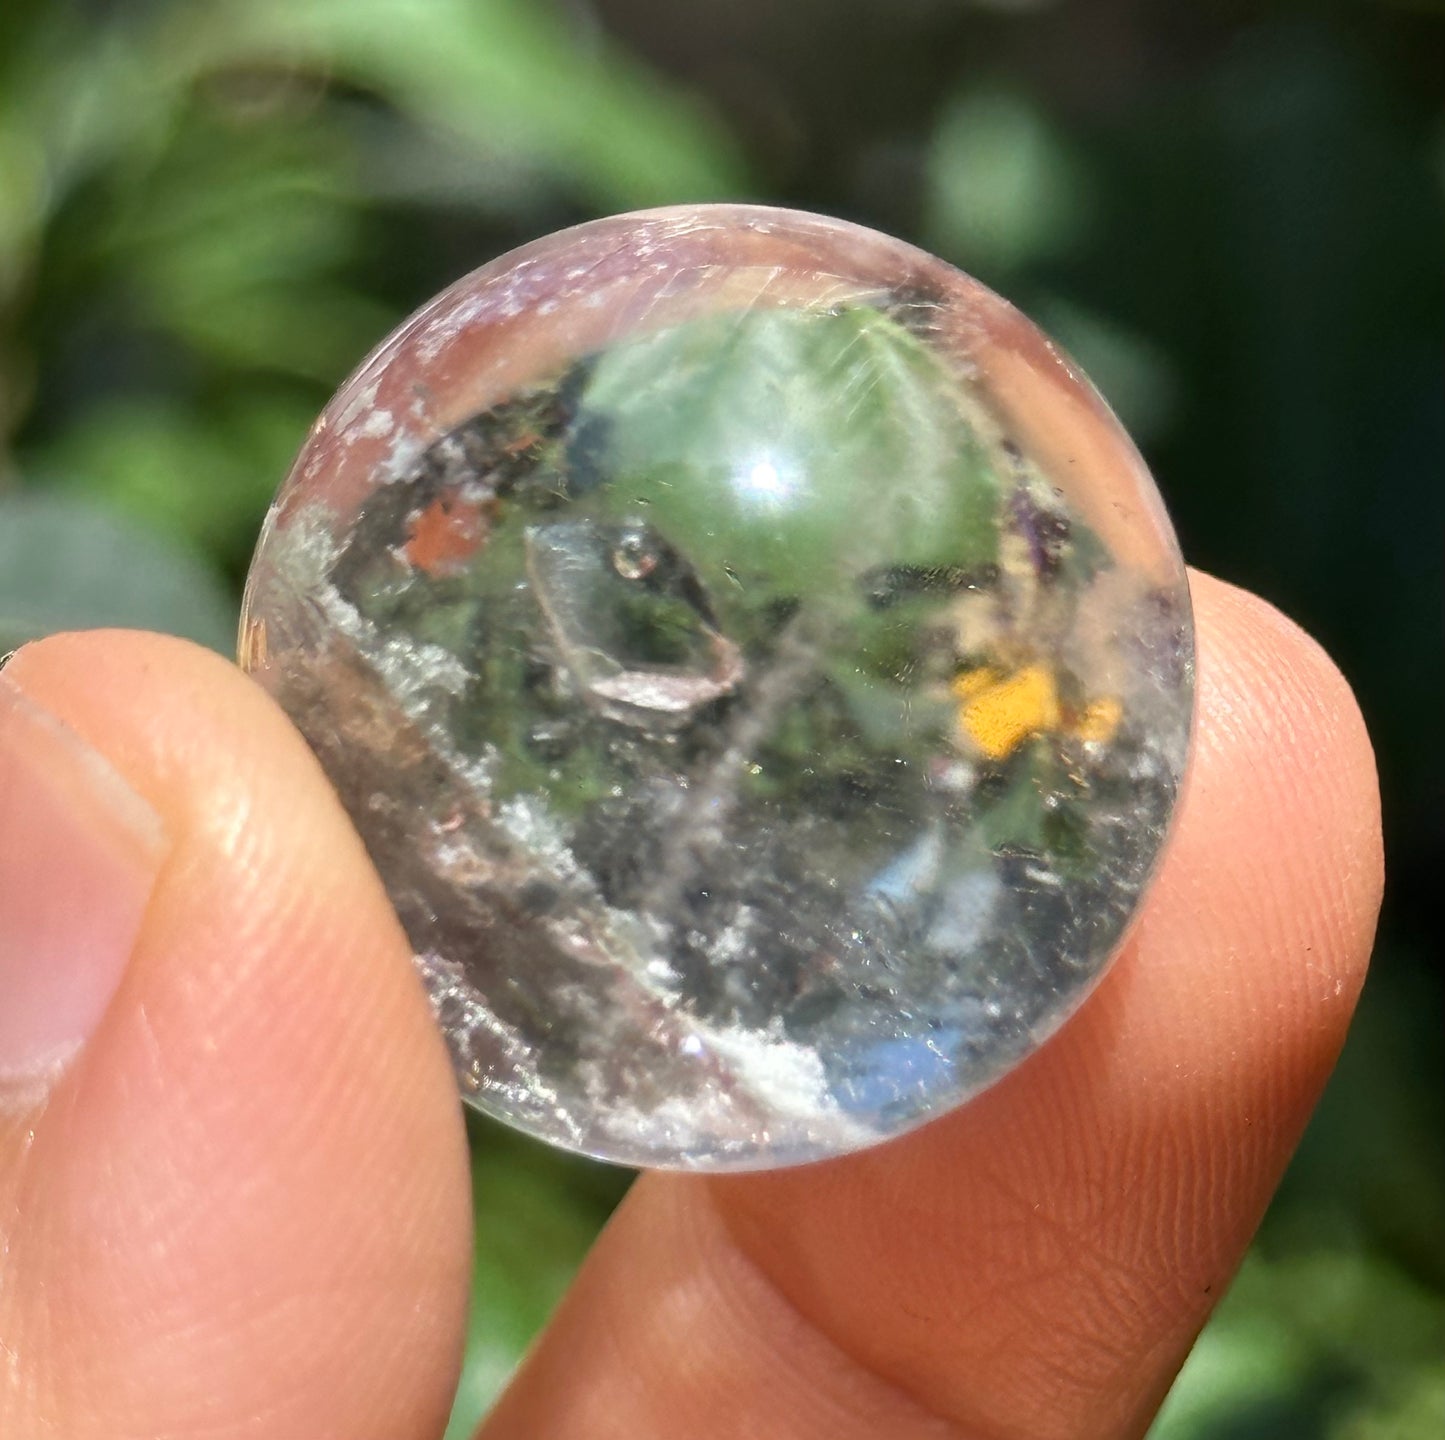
(240, 1208)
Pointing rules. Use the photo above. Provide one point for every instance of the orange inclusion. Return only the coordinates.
(445, 536)
(998, 713)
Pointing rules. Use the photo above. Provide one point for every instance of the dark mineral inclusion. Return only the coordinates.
(762, 745)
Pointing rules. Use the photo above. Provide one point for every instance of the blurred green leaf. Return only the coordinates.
(695, 415)
(1414, 1410)
(1003, 188)
(22, 186)
(1337, 1333)
(234, 242)
(503, 74)
(203, 478)
(70, 565)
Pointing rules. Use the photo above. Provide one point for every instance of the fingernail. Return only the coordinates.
(79, 852)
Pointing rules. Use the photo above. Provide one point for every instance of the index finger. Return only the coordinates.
(1038, 1263)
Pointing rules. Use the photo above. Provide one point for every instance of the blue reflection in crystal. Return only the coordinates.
(906, 1069)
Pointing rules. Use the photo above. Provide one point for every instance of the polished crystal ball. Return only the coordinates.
(759, 666)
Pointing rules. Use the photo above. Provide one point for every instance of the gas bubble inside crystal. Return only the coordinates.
(759, 666)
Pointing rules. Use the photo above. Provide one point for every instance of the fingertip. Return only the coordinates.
(1045, 1255)
(1038, 1262)
(1286, 774)
(247, 1195)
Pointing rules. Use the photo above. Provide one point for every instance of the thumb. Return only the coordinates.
(233, 1191)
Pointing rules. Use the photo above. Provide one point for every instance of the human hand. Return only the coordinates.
(233, 1177)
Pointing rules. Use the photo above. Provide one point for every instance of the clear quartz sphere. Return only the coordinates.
(759, 665)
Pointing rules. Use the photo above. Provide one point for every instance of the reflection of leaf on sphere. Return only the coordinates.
(759, 442)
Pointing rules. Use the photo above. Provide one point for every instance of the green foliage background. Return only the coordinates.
(1233, 214)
